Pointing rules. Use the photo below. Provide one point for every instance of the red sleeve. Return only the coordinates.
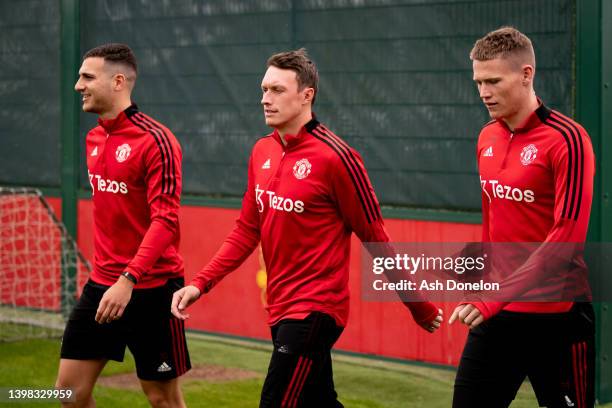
(163, 178)
(360, 211)
(573, 167)
(356, 200)
(239, 244)
(573, 188)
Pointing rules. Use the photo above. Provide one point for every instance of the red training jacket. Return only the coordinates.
(134, 168)
(537, 186)
(303, 201)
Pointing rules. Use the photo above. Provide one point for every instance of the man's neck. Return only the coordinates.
(294, 127)
(525, 110)
(116, 110)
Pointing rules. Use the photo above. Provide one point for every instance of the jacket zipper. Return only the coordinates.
(280, 165)
(274, 180)
(102, 159)
(507, 151)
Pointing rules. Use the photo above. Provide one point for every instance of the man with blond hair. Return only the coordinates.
(547, 161)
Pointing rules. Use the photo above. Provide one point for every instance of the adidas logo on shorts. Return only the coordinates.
(163, 368)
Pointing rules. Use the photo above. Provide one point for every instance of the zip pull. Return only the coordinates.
(503, 166)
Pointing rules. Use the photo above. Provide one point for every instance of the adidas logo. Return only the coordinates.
(266, 165)
(94, 152)
(488, 152)
(283, 349)
(163, 368)
(568, 402)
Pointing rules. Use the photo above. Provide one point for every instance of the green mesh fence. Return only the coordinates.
(29, 92)
(395, 82)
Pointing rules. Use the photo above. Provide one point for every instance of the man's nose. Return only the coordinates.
(485, 92)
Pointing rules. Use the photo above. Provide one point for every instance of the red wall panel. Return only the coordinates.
(56, 204)
(235, 305)
(30, 257)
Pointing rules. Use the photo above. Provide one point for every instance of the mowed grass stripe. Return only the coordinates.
(361, 383)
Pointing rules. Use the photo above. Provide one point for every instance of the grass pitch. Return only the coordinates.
(360, 382)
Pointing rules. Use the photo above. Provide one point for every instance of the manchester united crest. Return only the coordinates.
(301, 169)
(529, 154)
(123, 152)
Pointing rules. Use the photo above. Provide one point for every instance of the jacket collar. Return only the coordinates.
(293, 140)
(535, 119)
(121, 121)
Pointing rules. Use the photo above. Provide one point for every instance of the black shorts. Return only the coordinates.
(154, 336)
(555, 351)
(300, 372)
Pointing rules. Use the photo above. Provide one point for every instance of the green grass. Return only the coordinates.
(17, 324)
(360, 382)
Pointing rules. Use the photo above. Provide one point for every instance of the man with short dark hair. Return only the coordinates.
(134, 169)
(536, 171)
(307, 191)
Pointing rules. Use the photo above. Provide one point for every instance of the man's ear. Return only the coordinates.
(308, 95)
(119, 82)
(528, 73)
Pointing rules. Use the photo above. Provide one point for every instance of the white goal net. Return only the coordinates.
(39, 263)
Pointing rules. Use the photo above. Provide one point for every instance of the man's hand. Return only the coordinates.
(115, 299)
(434, 324)
(425, 314)
(467, 314)
(182, 299)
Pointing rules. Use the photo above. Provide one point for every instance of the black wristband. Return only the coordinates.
(130, 277)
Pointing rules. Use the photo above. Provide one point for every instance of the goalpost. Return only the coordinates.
(39, 264)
